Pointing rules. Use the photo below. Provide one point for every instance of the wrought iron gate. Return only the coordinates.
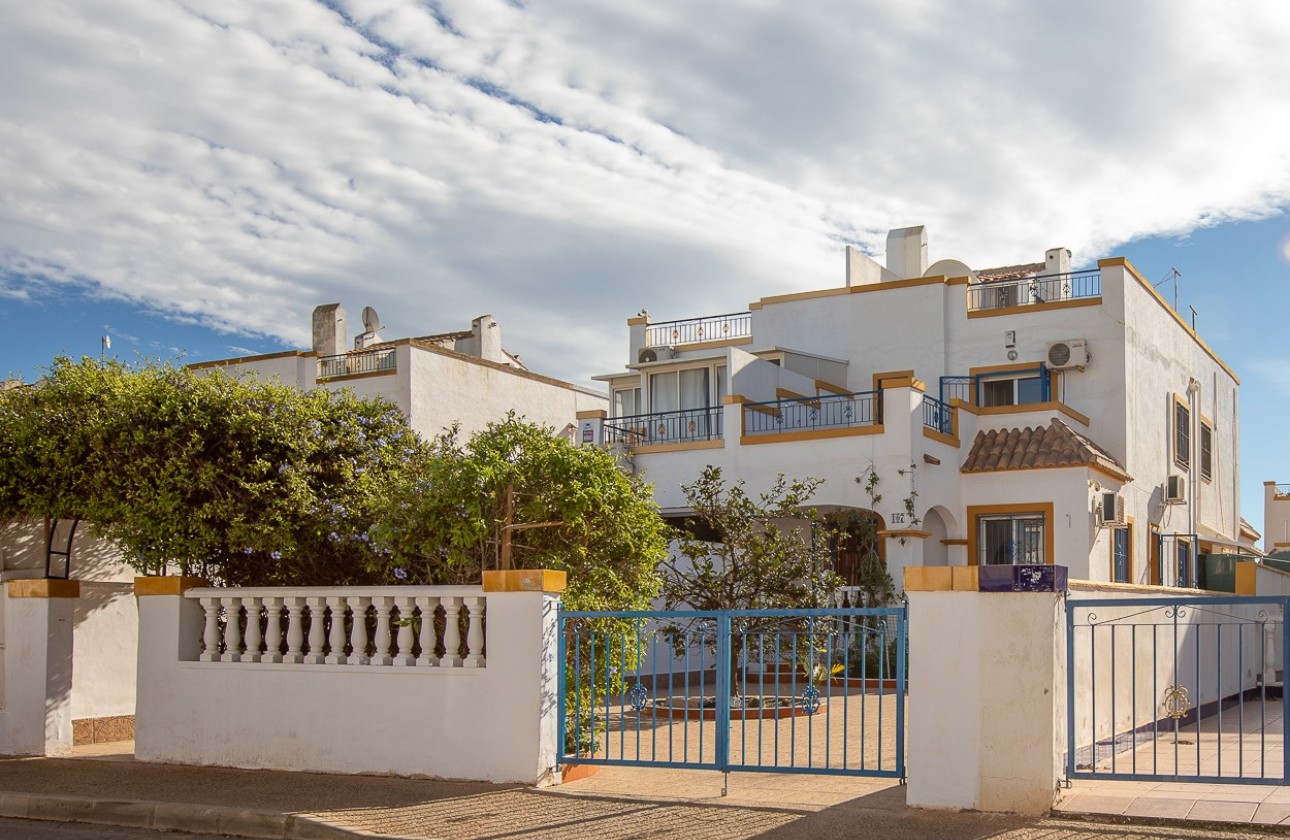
(1178, 689)
(789, 691)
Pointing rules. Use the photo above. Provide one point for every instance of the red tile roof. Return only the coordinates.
(1054, 445)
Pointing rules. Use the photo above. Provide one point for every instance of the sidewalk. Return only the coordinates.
(104, 784)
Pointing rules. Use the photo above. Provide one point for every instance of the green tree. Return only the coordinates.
(443, 522)
(746, 552)
(739, 551)
(246, 481)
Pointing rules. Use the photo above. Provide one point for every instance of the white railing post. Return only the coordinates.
(295, 633)
(358, 635)
(253, 637)
(210, 638)
(451, 633)
(382, 640)
(336, 639)
(428, 640)
(273, 630)
(406, 606)
(317, 608)
(475, 633)
(232, 630)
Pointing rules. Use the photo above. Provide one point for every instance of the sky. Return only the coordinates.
(192, 177)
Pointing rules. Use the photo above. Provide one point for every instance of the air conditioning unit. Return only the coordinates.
(1072, 353)
(653, 354)
(1175, 489)
(1110, 509)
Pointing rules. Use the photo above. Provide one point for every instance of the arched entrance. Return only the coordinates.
(859, 555)
(935, 552)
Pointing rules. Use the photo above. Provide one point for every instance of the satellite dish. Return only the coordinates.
(371, 321)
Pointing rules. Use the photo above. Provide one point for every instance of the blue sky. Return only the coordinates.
(196, 175)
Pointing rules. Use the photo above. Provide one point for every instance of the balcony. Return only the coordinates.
(803, 414)
(697, 330)
(1033, 291)
(937, 416)
(689, 425)
(357, 363)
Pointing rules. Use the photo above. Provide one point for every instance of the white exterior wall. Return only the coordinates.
(1276, 519)
(494, 723)
(1161, 358)
(436, 388)
(1140, 355)
(447, 389)
(105, 650)
(994, 742)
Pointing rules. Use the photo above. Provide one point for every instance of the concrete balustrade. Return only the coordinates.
(409, 626)
(455, 682)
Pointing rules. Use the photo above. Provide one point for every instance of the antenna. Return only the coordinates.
(371, 321)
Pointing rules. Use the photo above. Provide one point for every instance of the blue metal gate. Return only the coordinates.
(786, 691)
(1178, 689)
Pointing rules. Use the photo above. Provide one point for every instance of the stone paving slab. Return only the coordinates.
(616, 804)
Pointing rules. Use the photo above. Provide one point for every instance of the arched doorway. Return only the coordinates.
(859, 554)
(935, 552)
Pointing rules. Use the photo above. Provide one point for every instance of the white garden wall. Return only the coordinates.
(490, 715)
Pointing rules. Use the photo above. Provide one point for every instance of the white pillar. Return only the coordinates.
(37, 714)
(170, 632)
(986, 698)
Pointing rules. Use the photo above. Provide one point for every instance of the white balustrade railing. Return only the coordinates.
(401, 626)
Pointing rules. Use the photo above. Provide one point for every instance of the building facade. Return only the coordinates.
(465, 378)
(1025, 414)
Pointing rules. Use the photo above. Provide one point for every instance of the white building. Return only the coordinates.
(463, 377)
(1276, 517)
(1027, 414)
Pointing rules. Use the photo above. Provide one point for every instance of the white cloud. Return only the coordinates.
(235, 162)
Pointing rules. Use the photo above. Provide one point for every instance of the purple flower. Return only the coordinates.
(276, 555)
(246, 550)
(400, 574)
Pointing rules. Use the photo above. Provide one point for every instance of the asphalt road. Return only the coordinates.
(44, 830)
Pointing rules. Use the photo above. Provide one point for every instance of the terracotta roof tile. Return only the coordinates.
(1054, 445)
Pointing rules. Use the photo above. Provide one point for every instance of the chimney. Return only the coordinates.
(907, 252)
(329, 330)
(488, 339)
(1057, 261)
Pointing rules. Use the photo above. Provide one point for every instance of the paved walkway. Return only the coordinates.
(104, 784)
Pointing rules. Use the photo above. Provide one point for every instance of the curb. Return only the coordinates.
(175, 816)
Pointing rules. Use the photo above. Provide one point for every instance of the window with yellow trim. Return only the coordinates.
(1122, 554)
(1011, 539)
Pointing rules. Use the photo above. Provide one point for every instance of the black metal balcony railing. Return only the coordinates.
(957, 388)
(348, 364)
(1030, 291)
(937, 415)
(687, 425)
(695, 330)
(836, 411)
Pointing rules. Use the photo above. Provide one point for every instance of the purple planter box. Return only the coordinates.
(1022, 578)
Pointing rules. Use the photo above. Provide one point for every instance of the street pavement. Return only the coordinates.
(106, 786)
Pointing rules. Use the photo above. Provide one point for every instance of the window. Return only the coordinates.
(1206, 450)
(627, 402)
(1122, 555)
(1011, 539)
(1018, 386)
(1182, 434)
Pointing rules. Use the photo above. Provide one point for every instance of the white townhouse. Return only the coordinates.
(1021, 415)
(464, 377)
